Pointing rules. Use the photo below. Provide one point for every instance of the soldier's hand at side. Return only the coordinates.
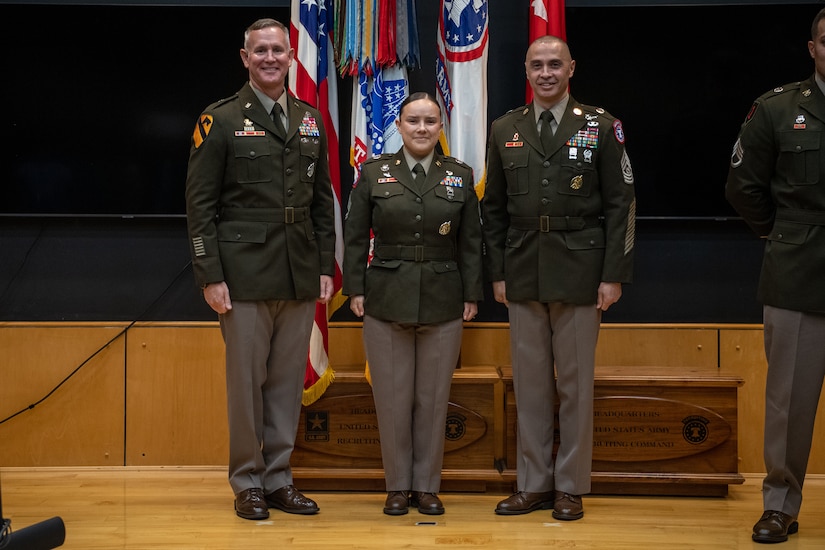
(609, 294)
(356, 304)
(326, 289)
(470, 311)
(500, 292)
(217, 296)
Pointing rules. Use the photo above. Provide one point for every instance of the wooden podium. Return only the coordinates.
(657, 431)
(338, 447)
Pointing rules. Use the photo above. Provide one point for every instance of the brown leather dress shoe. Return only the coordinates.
(290, 500)
(567, 507)
(774, 526)
(397, 503)
(427, 503)
(250, 504)
(524, 503)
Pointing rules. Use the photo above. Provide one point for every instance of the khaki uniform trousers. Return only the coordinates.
(266, 356)
(543, 335)
(411, 368)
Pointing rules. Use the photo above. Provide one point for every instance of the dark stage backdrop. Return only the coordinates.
(101, 99)
(103, 126)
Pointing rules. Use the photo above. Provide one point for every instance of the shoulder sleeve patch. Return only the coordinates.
(202, 128)
(618, 131)
(752, 111)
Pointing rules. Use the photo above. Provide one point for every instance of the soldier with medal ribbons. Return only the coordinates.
(261, 223)
(414, 288)
(558, 218)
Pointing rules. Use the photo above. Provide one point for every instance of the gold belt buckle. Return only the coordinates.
(544, 223)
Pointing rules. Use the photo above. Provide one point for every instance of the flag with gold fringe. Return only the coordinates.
(313, 79)
(461, 79)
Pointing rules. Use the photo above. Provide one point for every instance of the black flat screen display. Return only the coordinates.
(100, 100)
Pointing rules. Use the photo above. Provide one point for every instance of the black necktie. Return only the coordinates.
(276, 118)
(546, 130)
(418, 170)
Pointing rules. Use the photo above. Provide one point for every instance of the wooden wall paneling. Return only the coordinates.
(486, 344)
(657, 347)
(346, 345)
(742, 352)
(176, 396)
(81, 423)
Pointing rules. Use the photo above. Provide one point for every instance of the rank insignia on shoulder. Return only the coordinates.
(202, 128)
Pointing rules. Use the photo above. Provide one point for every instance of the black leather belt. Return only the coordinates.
(552, 223)
(416, 253)
(269, 215)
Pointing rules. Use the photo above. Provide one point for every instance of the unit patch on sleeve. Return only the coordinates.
(202, 129)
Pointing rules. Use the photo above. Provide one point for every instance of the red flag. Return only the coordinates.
(313, 79)
(546, 17)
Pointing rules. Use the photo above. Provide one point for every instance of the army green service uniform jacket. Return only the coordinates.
(427, 248)
(776, 183)
(260, 207)
(557, 223)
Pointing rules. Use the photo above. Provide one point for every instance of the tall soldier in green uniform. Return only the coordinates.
(261, 227)
(558, 219)
(776, 182)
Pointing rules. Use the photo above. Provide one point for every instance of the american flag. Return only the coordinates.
(313, 79)
(461, 80)
(546, 17)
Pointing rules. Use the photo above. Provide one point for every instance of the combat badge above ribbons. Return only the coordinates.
(202, 128)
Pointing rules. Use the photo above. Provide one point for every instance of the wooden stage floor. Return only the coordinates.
(191, 508)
